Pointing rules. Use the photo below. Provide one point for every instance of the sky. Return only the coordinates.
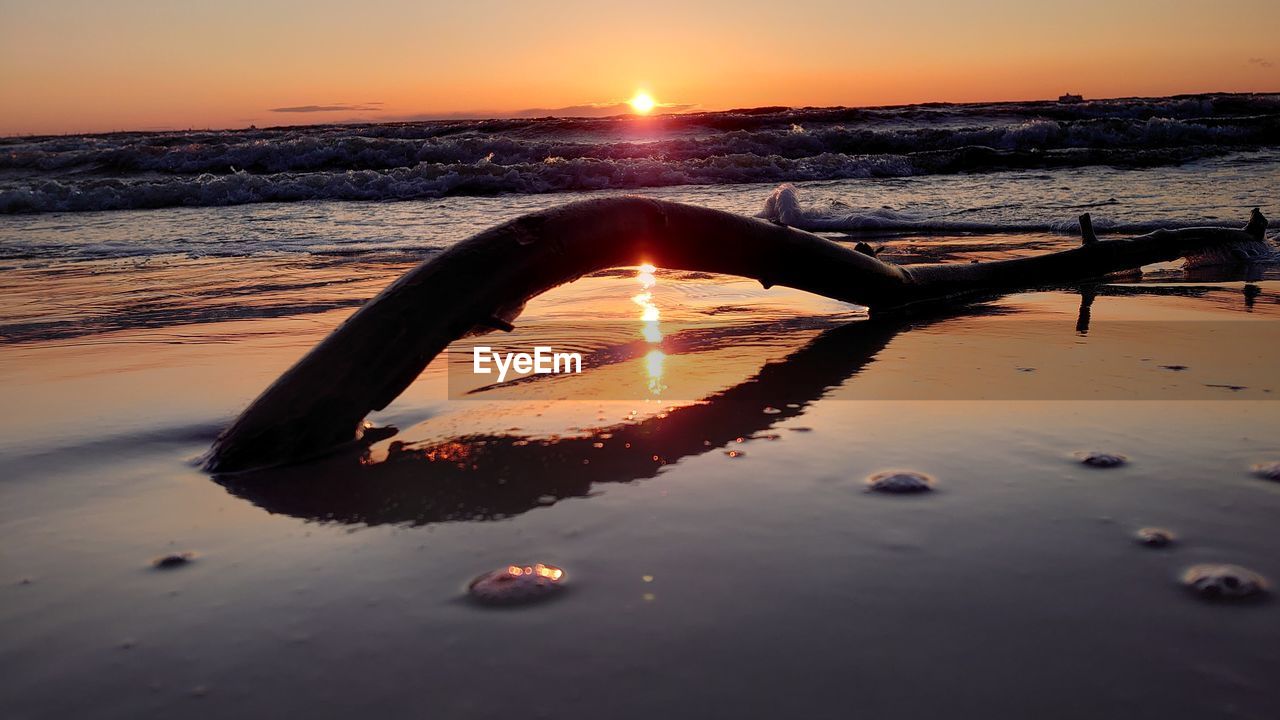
(78, 66)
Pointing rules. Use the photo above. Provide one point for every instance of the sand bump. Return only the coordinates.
(173, 560)
(900, 482)
(1267, 471)
(1154, 537)
(1224, 582)
(517, 585)
(1101, 460)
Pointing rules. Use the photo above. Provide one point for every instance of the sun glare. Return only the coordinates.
(642, 103)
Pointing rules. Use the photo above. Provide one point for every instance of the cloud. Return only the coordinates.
(1261, 62)
(337, 107)
(589, 110)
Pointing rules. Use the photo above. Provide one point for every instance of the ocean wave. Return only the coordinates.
(554, 174)
(302, 151)
(783, 206)
(482, 157)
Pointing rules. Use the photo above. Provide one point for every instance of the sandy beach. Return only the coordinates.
(750, 549)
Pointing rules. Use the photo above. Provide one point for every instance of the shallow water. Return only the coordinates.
(723, 556)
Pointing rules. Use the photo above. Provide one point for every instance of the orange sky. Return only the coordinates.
(73, 66)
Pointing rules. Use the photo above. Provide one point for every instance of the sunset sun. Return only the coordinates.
(642, 103)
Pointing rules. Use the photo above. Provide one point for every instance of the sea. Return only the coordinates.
(334, 195)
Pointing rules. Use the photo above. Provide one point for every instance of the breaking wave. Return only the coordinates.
(765, 145)
(783, 206)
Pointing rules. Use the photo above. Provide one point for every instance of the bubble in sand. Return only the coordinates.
(1154, 537)
(1267, 470)
(1101, 460)
(517, 585)
(900, 482)
(771, 410)
(1224, 582)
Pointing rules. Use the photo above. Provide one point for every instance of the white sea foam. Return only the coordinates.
(783, 206)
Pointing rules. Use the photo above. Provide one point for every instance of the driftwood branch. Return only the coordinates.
(483, 282)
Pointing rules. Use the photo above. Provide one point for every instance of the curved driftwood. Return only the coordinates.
(483, 282)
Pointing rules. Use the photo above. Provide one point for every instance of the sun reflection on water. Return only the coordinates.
(649, 327)
(650, 332)
(653, 365)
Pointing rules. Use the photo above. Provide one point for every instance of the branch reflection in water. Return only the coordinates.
(495, 476)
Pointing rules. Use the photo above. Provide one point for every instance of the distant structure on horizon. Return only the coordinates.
(1070, 98)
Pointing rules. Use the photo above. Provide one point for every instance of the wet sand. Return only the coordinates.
(728, 563)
